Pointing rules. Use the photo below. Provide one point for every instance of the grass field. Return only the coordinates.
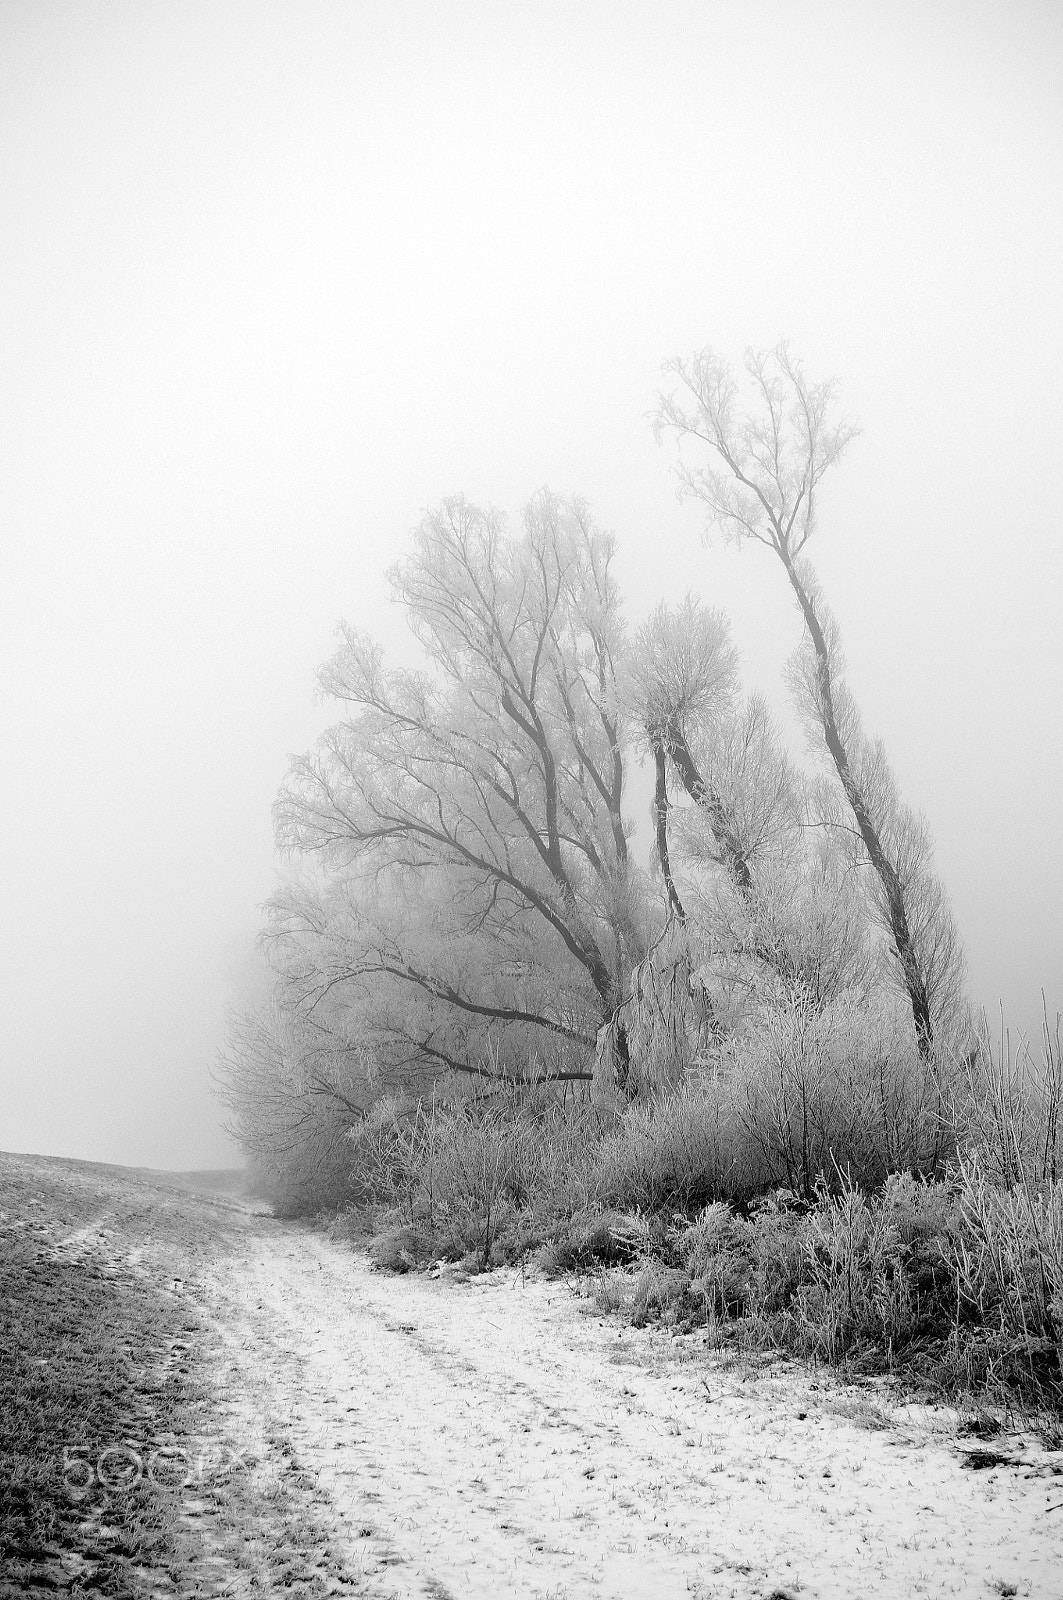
(98, 1375)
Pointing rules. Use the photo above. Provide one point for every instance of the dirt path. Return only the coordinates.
(488, 1438)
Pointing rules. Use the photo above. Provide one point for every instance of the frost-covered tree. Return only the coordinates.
(475, 908)
(682, 684)
(293, 1091)
(762, 907)
(762, 458)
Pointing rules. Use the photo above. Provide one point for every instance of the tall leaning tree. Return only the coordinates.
(761, 457)
(476, 910)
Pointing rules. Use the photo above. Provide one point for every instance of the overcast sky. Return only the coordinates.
(275, 277)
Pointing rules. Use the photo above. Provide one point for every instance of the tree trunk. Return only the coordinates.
(705, 796)
(660, 817)
(914, 979)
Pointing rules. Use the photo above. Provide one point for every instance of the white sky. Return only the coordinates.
(274, 277)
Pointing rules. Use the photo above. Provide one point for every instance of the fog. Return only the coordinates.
(276, 277)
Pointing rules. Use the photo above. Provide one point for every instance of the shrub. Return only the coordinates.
(855, 1295)
(400, 1249)
(778, 1250)
(850, 1278)
(384, 1146)
(595, 1238)
(662, 1293)
(717, 1252)
(495, 1175)
(679, 1152)
(612, 1290)
(957, 1282)
(1011, 1104)
(1007, 1257)
(821, 1091)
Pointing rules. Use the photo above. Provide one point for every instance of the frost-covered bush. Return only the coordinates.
(495, 1175)
(678, 1152)
(823, 1092)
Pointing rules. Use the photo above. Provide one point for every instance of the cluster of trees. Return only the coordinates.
(465, 909)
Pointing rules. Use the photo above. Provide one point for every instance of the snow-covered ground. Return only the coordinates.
(493, 1437)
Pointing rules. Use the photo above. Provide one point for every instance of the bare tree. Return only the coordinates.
(293, 1092)
(760, 477)
(684, 681)
(477, 909)
(772, 906)
(760, 907)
